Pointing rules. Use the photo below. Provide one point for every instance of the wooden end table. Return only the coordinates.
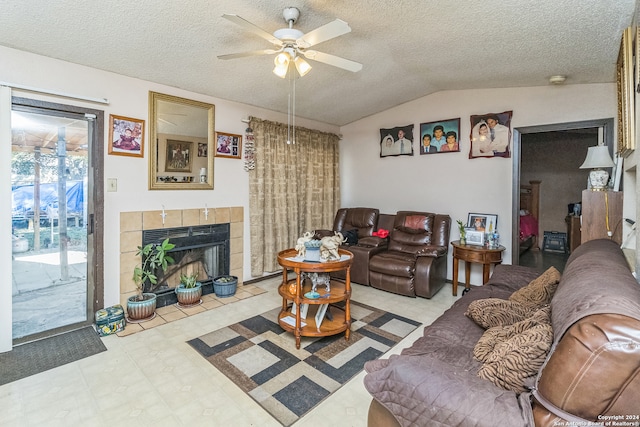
(295, 290)
(470, 254)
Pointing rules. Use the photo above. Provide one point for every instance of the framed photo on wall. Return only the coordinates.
(486, 223)
(179, 156)
(491, 135)
(126, 136)
(440, 137)
(396, 141)
(228, 145)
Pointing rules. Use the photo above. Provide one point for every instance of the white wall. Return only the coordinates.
(452, 183)
(129, 97)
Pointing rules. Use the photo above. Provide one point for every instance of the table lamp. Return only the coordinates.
(597, 158)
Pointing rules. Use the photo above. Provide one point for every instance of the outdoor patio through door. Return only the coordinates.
(52, 220)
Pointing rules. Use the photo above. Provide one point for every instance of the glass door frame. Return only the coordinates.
(95, 203)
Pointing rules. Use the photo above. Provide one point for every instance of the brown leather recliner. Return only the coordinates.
(365, 221)
(415, 261)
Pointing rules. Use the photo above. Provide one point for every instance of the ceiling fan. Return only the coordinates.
(292, 44)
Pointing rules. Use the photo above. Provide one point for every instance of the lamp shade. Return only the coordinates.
(597, 157)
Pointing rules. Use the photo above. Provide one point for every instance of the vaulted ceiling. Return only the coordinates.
(408, 48)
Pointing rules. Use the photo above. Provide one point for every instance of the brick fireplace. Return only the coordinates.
(132, 225)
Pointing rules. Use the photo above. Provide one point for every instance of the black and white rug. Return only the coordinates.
(261, 358)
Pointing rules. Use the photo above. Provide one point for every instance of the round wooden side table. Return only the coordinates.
(473, 254)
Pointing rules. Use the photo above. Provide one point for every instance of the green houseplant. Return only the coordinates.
(463, 232)
(142, 306)
(189, 290)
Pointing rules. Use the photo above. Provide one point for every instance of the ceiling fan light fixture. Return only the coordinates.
(281, 62)
(302, 66)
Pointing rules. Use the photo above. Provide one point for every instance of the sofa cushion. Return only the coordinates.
(540, 290)
(492, 336)
(492, 312)
(513, 364)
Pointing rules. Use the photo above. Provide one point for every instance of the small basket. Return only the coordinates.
(225, 289)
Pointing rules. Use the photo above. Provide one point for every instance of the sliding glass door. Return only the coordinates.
(52, 220)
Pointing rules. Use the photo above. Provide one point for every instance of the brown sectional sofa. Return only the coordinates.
(411, 261)
(591, 373)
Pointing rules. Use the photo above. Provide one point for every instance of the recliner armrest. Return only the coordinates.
(432, 251)
(372, 241)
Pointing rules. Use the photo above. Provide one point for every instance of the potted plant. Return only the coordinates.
(225, 286)
(142, 306)
(189, 290)
(463, 232)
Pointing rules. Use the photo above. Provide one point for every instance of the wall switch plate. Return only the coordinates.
(112, 184)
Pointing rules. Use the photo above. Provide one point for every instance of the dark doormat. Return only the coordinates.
(39, 356)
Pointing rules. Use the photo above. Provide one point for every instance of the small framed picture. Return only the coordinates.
(126, 136)
(179, 156)
(474, 237)
(202, 149)
(228, 145)
(486, 223)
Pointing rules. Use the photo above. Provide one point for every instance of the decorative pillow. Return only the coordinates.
(514, 363)
(492, 312)
(539, 291)
(497, 334)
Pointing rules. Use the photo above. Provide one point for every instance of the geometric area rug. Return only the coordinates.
(262, 359)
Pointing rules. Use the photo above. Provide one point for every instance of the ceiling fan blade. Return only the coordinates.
(324, 33)
(253, 28)
(249, 53)
(336, 61)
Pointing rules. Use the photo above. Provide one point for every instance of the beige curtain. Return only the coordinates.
(292, 189)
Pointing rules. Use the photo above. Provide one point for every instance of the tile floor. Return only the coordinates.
(154, 378)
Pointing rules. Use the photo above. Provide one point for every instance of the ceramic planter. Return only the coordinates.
(225, 286)
(189, 296)
(140, 311)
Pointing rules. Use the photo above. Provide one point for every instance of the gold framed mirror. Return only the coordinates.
(181, 143)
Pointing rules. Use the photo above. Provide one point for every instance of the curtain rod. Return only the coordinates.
(56, 93)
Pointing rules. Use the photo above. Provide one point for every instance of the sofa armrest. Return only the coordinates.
(432, 251)
(425, 391)
(372, 241)
(319, 234)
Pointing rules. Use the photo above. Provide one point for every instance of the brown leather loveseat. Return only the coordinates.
(591, 374)
(414, 262)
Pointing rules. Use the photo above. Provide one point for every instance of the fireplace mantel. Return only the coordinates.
(132, 224)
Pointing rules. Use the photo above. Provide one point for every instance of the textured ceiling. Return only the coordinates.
(408, 48)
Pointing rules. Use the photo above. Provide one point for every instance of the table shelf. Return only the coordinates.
(339, 292)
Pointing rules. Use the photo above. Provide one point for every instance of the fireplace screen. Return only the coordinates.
(202, 249)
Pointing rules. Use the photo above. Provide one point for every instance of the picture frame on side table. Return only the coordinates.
(486, 223)
(474, 237)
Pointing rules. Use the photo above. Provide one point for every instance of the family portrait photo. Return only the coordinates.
(126, 136)
(228, 145)
(440, 137)
(202, 149)
(396, 141)
(491, 135)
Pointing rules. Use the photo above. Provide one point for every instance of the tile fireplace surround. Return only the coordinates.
(133, 223)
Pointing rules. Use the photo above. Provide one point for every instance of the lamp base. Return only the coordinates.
(599, 179)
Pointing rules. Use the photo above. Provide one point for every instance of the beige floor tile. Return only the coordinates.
(154, 378)
(173, 315)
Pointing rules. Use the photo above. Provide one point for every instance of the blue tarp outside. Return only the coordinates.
(22, 198)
